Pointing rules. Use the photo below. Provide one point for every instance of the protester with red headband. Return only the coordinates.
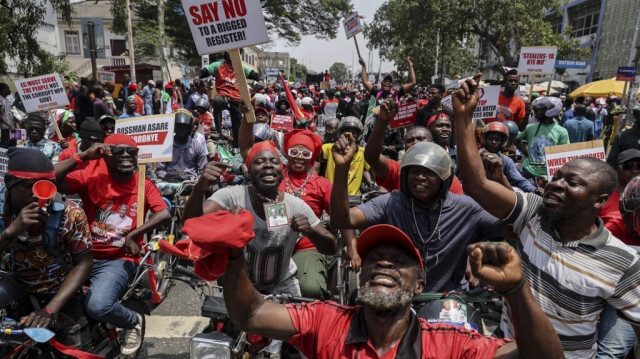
(108, 185)
(52, 265)
(269, 253)
(385, 325)
(510, 106)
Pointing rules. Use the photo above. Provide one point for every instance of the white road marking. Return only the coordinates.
(158, 326)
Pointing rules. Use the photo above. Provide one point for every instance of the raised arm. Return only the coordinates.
(373, 150)
(364, 77)
(412, 77)
(197, 205)
(247, 308)
(499, 265)
(62, 168)
(341, 215)
(492, 196)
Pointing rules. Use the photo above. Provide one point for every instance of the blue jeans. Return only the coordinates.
(616, 337)
(148, 109)
(109, 280)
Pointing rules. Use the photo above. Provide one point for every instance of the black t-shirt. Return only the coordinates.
(624, 141)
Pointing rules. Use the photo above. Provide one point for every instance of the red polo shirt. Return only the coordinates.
(392, 181)
(612, 218)
(329, 330)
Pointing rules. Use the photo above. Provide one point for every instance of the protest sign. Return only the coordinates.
(152, 134)
(205, 60)
(537, 60)
(42, 92)
(352, 25)
(406, 115)
(626, 73)
(282, 122)
(4, 160)
(105, 76)
(557, 156)
(221, 25)
(488, 102)
(447, 102)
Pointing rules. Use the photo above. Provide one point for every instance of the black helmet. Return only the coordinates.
(183, 117)
(513, 130)
(203, 102)
(350, 123)
(10, 295)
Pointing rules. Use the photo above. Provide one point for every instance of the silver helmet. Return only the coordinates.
(431, 156)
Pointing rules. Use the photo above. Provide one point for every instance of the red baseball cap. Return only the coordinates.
(386, 234)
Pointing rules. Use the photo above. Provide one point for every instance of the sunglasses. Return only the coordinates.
(108, 128)
(305, 154)
(119, 151)
(628, 166)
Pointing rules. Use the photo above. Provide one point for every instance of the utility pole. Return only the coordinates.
(92, 50)
(164, 66)
(437, 53)
(132, 59)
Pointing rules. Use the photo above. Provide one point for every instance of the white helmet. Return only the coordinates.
(307, 101)
(552, 104)
(259, 100)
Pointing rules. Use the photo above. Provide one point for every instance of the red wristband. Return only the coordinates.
(77, 158)
(47, 310)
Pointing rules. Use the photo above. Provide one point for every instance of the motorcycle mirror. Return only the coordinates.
(39, 335)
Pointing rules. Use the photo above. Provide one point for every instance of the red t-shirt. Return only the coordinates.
(206, 120)
(316, 193)
(324, 102)
(226, 82)
(509, 109)
(329, 330)
(392, 181)
(71, 140)
(68, 153)
(423, 103)
(612, 218)
(139, 104)
(109, 226)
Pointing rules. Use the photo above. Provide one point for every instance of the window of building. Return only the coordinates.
(556, 24)
(118, 47)
(584, 18)
(72, 41)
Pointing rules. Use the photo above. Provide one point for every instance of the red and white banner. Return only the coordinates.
(282, 122)
(406, 115)
(42, 92)
(352, 25)
(152, 134)
(222, 25)
(537, 60)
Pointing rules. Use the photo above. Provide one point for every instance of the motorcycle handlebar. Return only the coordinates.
(186, 272)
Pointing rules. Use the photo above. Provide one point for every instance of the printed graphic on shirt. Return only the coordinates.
(503, 113)
(537, 148)
(112, 224)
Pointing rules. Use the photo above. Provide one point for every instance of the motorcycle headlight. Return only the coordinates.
(214, 345)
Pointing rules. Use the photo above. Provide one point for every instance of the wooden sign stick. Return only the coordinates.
(236, 61)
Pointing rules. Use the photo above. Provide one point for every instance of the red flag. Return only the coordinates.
(292, 101)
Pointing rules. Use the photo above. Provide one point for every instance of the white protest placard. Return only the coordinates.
(352, 25)
(42, 92)
(106, 76)
(447, 102)
(152, 134)
(537, 60)
(488, 102)
(557, 156)
(221, 25)
(4, 161)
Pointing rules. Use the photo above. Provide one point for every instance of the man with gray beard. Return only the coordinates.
(384, 326)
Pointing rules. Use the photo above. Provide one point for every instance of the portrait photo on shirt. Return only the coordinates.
(112, 224)
(277, 214)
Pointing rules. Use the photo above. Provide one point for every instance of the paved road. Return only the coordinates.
(172, 324)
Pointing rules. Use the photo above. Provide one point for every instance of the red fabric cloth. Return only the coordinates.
(509, 109)
(392, 181)
(306, 138)
(292, 101)
(259, 147)
(132, 87)
(227, 82)
(210, 253)
(68, 153)
(613, 221)
(139, 104)
(423, 103)
(329, 330)
(316, 193)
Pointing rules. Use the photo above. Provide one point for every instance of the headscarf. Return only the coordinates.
(259, 147)
(27, 164)
(100, 188)
(306, 138)
(132, 87)
(211, 253)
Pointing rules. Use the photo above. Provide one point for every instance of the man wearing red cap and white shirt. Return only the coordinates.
(384, 326)
(109, 182)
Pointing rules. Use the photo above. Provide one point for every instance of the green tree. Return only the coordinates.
(339, 72)
(399, 30)
(19, 22)
(298, 70)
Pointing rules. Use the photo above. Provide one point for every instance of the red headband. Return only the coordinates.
(433, 118)
(49, 175)
(259, 147)
(120, 139)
